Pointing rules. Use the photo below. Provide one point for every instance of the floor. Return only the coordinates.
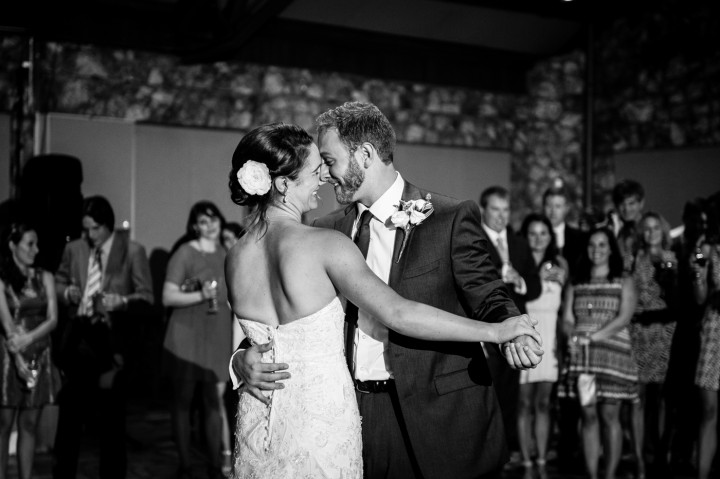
(151, 454)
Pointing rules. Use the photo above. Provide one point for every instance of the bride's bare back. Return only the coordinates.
(278, 277)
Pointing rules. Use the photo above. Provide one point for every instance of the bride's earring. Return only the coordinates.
(284, 193)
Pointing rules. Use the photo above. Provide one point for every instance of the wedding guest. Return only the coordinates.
(598, 305)
(683, 413)
(629, 199)
(570, 241)
(28, 313)
(104, 282)
(706, 287)
(654, 269)
(536, 384)
(198, 338)
(511, 256)
(231, 232)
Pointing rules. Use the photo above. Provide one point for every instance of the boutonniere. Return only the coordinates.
(409, 214)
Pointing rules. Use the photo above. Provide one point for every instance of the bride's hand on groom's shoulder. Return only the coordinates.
(520, 343)
(256, 375)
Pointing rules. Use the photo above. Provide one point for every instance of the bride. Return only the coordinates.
(286, 280)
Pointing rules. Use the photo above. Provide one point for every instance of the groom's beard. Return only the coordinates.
(349, 183)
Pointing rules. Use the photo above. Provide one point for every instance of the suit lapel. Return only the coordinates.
(410, 192)
(115, 258)
(345, 224)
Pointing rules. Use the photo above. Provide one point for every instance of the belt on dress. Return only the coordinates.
(368, 387)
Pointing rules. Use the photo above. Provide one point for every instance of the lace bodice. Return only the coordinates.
(311, 427)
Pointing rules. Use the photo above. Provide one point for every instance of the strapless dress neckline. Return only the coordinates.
(309, 317)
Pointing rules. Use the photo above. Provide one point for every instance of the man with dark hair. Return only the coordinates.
(570, 241)
(429, 408)
(629, 199)
(103, 281)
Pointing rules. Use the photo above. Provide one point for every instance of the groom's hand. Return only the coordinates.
(522, 352)
(256, 375)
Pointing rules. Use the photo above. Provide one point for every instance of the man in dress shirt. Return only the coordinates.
(512, 257)
(570, 241)
(429, 409)
(103, 281)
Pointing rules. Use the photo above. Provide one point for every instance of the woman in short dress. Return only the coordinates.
(28, 312)
(536, 384)
(705, 265)
(198, 338)
(599, 304)
(654, 269)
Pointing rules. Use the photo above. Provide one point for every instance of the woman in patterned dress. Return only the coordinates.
(654, 269)
(28, 312)
(536, 384)
(706, 267)
(598, 306)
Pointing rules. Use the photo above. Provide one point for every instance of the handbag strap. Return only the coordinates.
(586, 357)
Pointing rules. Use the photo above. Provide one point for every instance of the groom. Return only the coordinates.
(429, 409)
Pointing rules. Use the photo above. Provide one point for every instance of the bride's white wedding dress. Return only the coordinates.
(311, 429)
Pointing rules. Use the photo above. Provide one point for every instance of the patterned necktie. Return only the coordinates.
(362, 240)
(93, 285)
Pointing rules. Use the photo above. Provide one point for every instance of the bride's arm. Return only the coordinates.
(350, 274)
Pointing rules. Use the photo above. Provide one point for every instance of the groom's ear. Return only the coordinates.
(368, 152)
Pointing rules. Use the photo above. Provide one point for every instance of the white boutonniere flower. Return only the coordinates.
(254, 178)
(409, 215)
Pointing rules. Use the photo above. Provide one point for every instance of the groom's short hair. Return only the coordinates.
(356, 123)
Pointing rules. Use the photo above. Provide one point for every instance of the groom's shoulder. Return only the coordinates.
(445, 203)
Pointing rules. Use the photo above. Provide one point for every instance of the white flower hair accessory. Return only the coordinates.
(254, 178)
(409, 215)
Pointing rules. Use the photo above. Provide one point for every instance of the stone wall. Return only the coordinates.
(658, 83)
(542, 129)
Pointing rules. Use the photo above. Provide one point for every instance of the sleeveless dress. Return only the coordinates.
(311, 427)
(611, 360)
(545, 309)
(652, 340)
(707, 372)
(29, 309)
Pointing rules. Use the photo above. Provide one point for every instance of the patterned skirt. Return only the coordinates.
(651, 349)
(707, 374)
(612, 362)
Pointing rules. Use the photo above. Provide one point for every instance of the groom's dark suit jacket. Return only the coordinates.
(445, 388)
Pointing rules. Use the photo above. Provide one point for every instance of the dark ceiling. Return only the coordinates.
(485, 44)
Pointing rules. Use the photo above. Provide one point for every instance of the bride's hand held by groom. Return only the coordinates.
(256, 375)
(522, 351)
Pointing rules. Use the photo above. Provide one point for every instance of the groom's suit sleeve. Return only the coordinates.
(479, 284)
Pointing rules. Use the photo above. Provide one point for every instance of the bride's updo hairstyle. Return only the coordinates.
(280, 147)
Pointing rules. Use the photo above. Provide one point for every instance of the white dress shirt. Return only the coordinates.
(371, 337)
(494, 236)
(560, 235)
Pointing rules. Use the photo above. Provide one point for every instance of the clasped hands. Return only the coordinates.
(523, 352)
(109, 301)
